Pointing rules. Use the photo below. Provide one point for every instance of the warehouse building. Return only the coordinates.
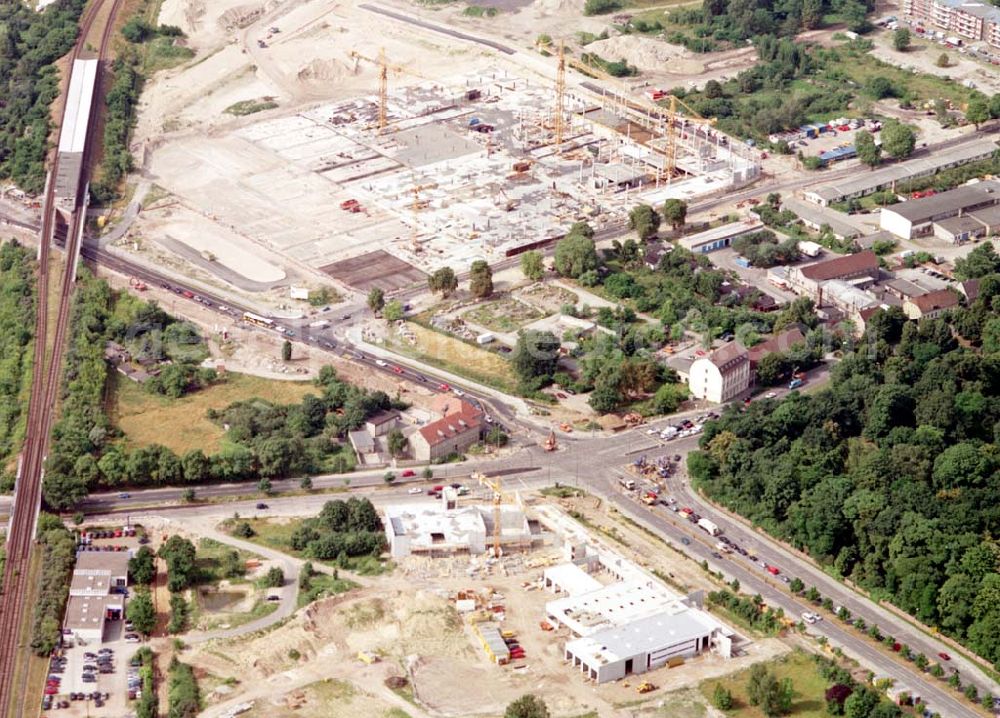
(862, 184)
(720, 237)
(917, 217)
(629, 626)
(96, 594)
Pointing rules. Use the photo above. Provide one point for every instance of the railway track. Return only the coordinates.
(14, 673)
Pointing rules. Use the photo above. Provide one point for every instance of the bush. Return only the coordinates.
(179, 611)
(275, 577)
(183, 697)
(722, 698)
(601, 7)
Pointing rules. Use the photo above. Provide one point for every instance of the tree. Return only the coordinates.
(675, 212)
(978, 110)
(535, 356)
(232, 566)
(980, 262)
(275, 577)
(393, 311)
(835, 697)
(527, 706)
(286, 351)
(376, 299)
(861, 703)
(180, 555)
(306, 483)
(496, 436)
(576, 254)
(796, 585)
(139, 610)
(480, 279)
(244, 530)
(397, 443)
(644, 220)
(264, 486)
(898, 140)
(868, 152)
(901, 39)
(943, 60)
(141, 567)
(722, 697)
(532, 266)
(773, 697)
(443, 281)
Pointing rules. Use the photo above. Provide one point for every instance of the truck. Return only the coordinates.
(710, 527)
(649, 498)
(810, 249)
(321, 324)
(627, 484)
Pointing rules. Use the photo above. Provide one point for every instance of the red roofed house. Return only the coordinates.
(780, 343)
(460, 428)
(931, 304)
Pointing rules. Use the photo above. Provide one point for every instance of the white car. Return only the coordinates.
(652, 432)
(770, 395)
(459, 392)
(415, 490)
(379, 362)
(810, 617)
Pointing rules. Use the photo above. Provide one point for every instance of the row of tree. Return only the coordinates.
(889, 476)
(30, 44)
(58, 559)
(17, 324)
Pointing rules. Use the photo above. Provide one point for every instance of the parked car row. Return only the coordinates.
(87, 537)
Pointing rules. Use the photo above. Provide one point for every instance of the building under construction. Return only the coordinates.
(487, 165)
(442, 528)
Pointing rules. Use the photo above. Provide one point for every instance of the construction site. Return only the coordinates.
(380, 188)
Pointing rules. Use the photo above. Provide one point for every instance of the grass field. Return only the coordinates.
(799, 667)
(457, 357)
(182, 424)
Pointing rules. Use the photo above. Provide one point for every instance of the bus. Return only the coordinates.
(257, 320)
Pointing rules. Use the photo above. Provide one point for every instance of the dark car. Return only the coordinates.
(261, 506)
(686, 541)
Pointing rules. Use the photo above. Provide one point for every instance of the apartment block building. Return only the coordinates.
(967, 19)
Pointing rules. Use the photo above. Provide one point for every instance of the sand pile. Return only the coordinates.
(322, 70)
(647, 54)
(557, 7)
(241, 16)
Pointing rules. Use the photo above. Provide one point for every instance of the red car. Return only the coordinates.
(444, 387)
(408, 473)
(773, 570)
(397, 369)
(51, 690)
(944, 656)
(560, 395)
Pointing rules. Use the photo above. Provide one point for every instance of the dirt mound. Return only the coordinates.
(240, 16)
(558, 7)
(322, 70)
(648, 54)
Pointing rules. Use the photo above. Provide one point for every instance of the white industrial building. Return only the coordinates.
(630, 625)
(96, 594)
(443, 528)
(918, 216)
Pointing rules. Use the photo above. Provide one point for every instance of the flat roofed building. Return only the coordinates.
(959, 230)
(569, 578)
(917, 216)
(432, 529)
(989, 217)
(613, 605)
(722, 375)
(86, 616)
(719, 237)
(862, 184)
(643, 645)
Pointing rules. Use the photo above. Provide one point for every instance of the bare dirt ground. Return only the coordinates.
(309, 665)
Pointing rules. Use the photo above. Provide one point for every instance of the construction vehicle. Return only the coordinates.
(136, 284)
(649, 498)
(545, 626)
(495, 483)
(550, 443)
(646, 687)
(384, 66)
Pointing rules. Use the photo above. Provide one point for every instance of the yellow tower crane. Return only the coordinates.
(384, 67)
(494, 483)
(560, 97)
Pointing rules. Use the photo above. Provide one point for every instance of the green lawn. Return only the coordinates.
(799, 667)
(209, 559)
